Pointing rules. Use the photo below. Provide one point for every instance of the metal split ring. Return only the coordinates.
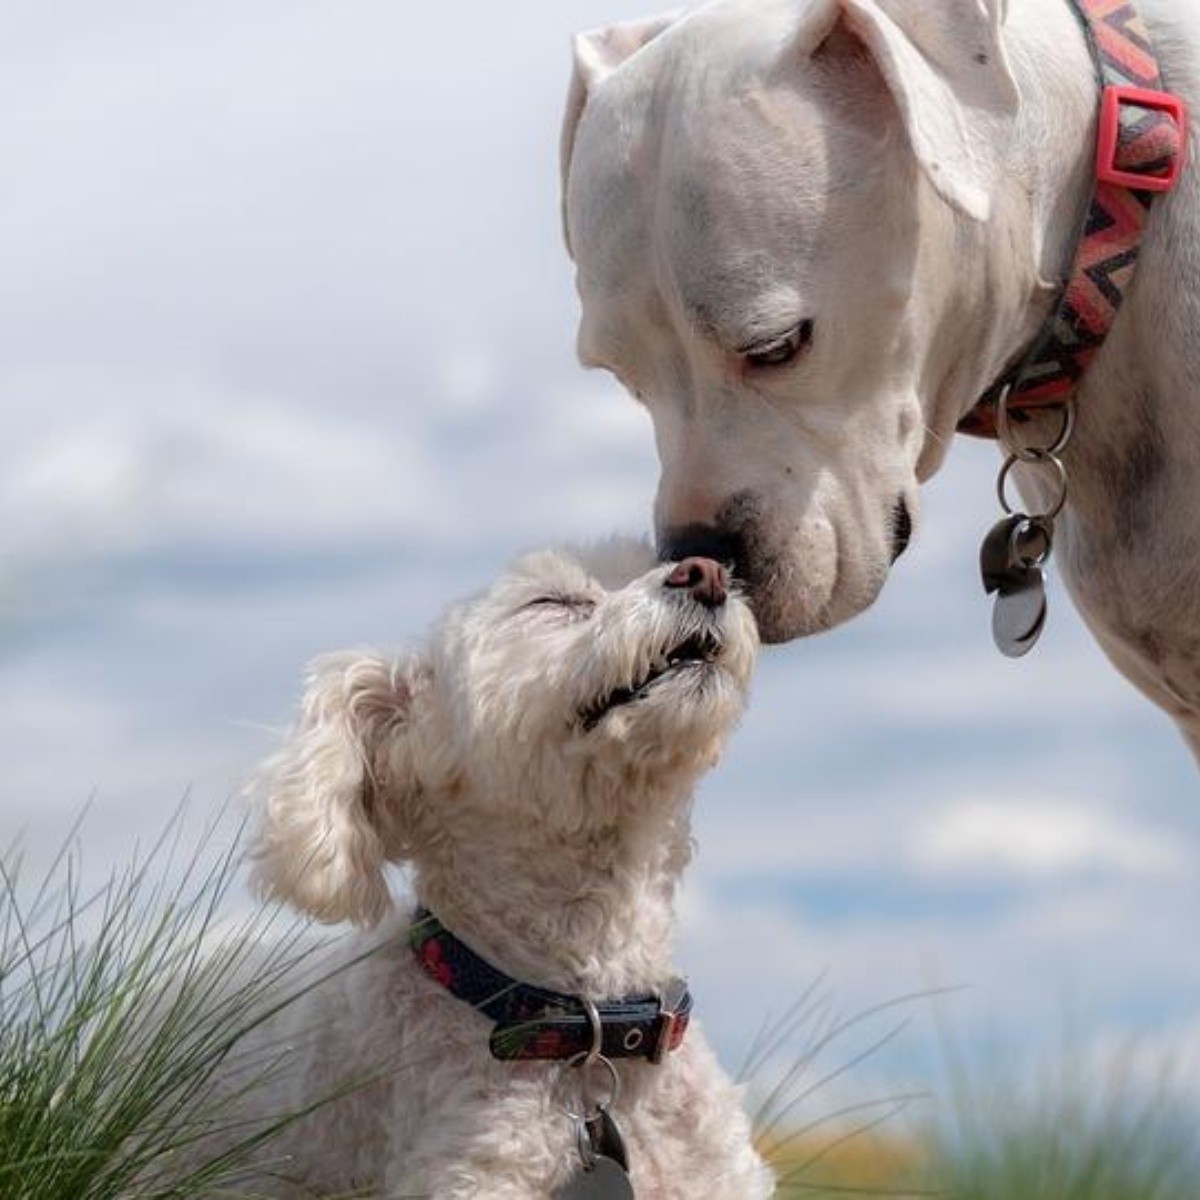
(1038, 458)
(1031, 541)
(1027, 454)
(583, 1062)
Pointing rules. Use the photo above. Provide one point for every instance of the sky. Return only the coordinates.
(288, 365)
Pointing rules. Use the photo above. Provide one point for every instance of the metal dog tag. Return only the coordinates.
(606, 1138)
(605, 1162)
(1010, 564)
(996, 560)
(1020, 614)
(606, 1180)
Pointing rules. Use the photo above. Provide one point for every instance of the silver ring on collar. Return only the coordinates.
(1007, 435)
(1043, 458)
(593, 1016)
(590, 1104)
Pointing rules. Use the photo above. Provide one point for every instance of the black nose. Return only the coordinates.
(707, 581)
(703, 541)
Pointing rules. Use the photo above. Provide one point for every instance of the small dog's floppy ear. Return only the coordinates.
(599, 52)
(338, 791)
(945, 64)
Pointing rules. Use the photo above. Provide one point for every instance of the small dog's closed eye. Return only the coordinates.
(533, 767)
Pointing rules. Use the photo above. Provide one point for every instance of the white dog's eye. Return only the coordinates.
(778, 352)
(577, 606)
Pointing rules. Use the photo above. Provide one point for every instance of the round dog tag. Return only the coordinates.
(1019, 615)
(996, 557)
(606, 1138)
(604, 1181)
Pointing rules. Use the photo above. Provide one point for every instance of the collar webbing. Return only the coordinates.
(534, 1022)
(1140, 147)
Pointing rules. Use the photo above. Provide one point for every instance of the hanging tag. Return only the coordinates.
(606, 1180)
(1010, 565)
(996, 555)
(604, 1162)
(606, 1137)
(1019, 614)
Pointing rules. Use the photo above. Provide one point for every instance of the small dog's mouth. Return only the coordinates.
(697, 651)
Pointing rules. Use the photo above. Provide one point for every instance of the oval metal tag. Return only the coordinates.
(1019, 616)
(605, 1181)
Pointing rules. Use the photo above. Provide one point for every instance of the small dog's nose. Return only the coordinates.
(679, 542)
(708, 581)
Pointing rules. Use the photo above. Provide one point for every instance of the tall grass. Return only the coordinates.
(820, 1147)
(122, 1004)
(1074, 1131)
(118, 1007)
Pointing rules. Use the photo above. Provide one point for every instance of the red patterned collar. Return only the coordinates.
(533, 1022)
(1140, 149)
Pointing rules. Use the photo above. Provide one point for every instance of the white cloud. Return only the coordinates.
(173, 465)
(1032, 836)
(139, 466)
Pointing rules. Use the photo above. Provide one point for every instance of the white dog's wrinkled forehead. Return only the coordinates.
(704, 155)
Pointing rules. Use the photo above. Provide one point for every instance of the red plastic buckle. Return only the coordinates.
(1107, 170)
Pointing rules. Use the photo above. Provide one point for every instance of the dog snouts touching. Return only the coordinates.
(703, 541)
(707, 581)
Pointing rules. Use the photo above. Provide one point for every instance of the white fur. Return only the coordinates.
(909, 175)
(553, 850)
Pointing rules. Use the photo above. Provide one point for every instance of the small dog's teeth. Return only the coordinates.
(700, 647)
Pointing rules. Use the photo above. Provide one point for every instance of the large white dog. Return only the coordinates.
(809, 234)
(534, 766)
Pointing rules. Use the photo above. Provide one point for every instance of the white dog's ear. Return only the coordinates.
(599, 52)
(338, 794)
(945, 64)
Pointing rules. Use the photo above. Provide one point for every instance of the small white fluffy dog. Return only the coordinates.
(534, 766)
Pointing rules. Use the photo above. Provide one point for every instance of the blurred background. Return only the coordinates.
(287, 364)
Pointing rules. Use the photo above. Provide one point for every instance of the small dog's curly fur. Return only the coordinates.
(534, 767)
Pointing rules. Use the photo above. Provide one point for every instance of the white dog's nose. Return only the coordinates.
(707, 581)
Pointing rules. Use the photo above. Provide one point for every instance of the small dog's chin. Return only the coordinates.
(700, 701)
(669, 675)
